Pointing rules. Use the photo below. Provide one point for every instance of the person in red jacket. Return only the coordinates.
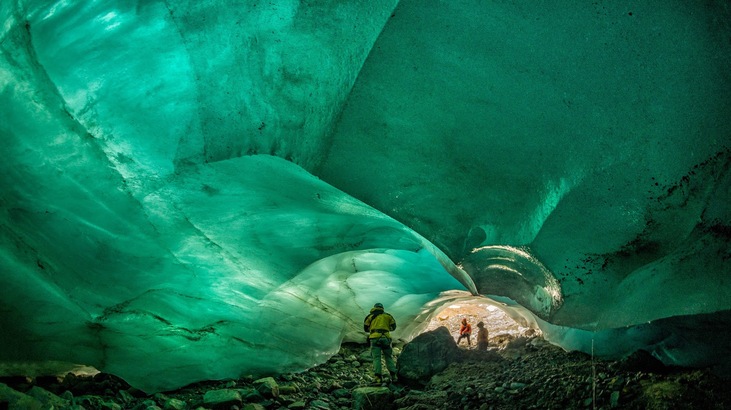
(465, 330)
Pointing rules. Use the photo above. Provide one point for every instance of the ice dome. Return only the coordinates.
(198, 190)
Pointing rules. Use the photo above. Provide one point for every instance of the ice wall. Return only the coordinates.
(213, 189)
(592, 139)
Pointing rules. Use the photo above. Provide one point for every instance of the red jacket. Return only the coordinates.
(465, 329)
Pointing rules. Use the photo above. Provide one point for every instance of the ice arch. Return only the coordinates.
(175, 174)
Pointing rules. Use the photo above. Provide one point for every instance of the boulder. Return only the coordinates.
(427, 354)
(268, 387)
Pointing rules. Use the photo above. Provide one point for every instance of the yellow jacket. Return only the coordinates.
(379, 323)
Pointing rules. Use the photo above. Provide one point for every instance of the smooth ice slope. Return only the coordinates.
(198, 190)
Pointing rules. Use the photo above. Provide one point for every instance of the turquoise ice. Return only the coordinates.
(198, 190)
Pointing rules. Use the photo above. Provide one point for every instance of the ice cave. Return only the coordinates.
(195, 190)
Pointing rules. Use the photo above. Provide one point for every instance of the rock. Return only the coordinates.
(125, 396)
(47, 398)
(517, 343)
(268, 387)
(13, 399)
(110, 405)
(96, 402)
(537, 342)
(616, 383)
(222, 399)
(642, 360)
(427, 354)
(373, 398)
(501, 340)
(614, 399)
(420, 400)
(365, 356)
(174, 404)
(250, 394)
(288, 388)
(67, 395)
(146, 404)
(664, 394)
(319, 405)
(349, 384)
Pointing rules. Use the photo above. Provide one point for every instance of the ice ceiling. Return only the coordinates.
(206, 189)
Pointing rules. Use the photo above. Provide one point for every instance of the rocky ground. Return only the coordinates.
(517, 372)
(532, 376)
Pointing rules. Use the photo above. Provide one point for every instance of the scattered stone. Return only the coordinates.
(372, 398)
(288, 388)
(614, 399)
(267, 386)
(48, 399)
(222, 399)
(319, 405)
(125, 396)
(174, 404)
(660, 394)
(250, 394)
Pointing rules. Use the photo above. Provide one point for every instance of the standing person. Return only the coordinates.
(379, 324)
(465, 330)
(482, 336)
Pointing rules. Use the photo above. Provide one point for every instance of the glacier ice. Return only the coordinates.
(202, 190)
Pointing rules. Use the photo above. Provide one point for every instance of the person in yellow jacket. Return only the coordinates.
(379, 325)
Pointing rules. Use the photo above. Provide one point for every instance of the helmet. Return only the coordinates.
(378, 306)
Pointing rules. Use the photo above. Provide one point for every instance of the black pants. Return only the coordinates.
(462, 336)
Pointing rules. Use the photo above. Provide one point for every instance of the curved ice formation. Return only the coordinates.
(187, 186)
